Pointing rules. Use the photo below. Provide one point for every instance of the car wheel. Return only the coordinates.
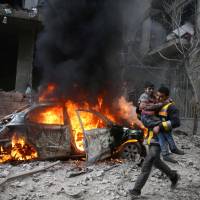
(131, 151)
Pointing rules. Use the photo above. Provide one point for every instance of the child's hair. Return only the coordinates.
(148, 84)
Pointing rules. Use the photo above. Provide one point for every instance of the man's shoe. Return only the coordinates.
(134, 193)
(178, 151)
(174, 181)
(169, 159)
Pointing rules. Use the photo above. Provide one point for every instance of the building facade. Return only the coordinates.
(20, 24)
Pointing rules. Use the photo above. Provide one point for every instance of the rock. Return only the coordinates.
(76, 194)
(113, 196)
(117, 177)
(122, 193)
(153, 179)
(35, 179)
(190, 163)
(133, 180)
(36, 175)
(113, 172)
(73, 185)
(107, 192)
(99, 178)
(100, 173)
(55, 168)
(18, 184)
(105, 181)
(41, 195)
(185, 147)
(12, 196)
(27, 167)
(87, 178)
(84, 183)
(32, 189)
(197, 168)
(190, 179)
(4, 174)
(61, 191)
(49, 183)
(21, 184)
(98, 191)
(196, 140)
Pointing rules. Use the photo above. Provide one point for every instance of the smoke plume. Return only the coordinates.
(79, 49)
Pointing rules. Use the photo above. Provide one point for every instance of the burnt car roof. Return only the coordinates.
(18, 117)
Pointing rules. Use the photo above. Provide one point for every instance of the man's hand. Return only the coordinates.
(156, 130)
(169, 100)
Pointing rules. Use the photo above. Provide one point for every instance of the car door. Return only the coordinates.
(97, 140)
(51, 139)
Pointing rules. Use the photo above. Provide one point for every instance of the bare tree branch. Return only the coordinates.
(174, 10)
(181, 52)
(168, 59)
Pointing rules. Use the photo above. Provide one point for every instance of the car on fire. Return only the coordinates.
(54, 138)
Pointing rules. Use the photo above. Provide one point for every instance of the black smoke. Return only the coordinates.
(79, 49)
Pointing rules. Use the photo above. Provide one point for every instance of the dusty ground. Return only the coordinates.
(106, 180)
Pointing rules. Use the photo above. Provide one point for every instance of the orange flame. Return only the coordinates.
(89, 120)
(128, 112)
(19, 150)
(51, 88)
(49, 115)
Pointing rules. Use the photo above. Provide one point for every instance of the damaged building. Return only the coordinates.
(20, 24)
(168, 35)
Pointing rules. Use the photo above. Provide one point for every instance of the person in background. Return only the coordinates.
(28, 93)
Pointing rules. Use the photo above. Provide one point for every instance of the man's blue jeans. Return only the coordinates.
(166, 139)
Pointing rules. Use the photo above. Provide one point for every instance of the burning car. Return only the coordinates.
(59, 131)
(113, 140)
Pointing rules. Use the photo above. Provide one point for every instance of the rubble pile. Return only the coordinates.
(108, 180)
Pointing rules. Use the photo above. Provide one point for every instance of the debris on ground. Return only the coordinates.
(110, 179)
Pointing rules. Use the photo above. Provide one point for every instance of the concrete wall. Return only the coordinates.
(187, 126)
(25, 60)
(146, 31)
(10, 102)
(29, 4)
(136, 76)
(198, 14)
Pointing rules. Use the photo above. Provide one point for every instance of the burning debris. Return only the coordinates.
(60, 130)
(48, 140)
(19, 150)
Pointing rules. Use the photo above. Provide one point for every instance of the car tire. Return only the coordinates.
(131, 151)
